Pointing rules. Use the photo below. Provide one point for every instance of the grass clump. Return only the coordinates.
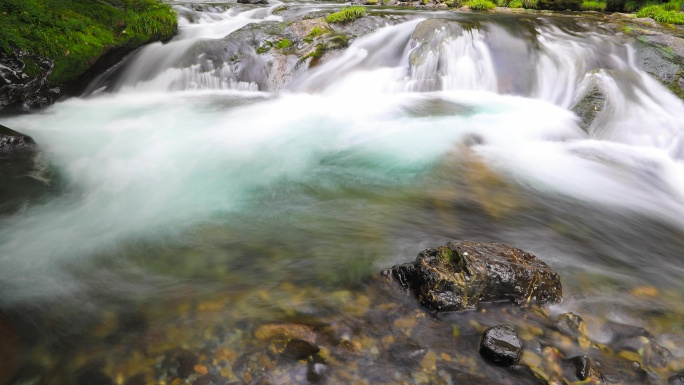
(315, 32)
(530, 4)
(75, 33)
(480, 5)
(283, 44)
(593, 5)
(661, 14)
(346, 15)
(515, 4)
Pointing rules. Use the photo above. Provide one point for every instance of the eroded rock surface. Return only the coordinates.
(461, 274)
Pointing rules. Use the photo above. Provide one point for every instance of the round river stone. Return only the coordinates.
(501, 345)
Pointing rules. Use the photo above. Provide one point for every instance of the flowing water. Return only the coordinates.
(177, 182)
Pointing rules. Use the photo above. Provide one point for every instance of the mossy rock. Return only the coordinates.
(461, 274)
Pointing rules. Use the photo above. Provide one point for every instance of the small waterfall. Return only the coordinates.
(183, 63)
(451, 58)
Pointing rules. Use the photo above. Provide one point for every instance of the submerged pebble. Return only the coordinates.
(501, 345)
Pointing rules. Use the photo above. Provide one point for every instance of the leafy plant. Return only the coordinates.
(530, 4)
(480, 5)
(283, 44)
(593, 5)
(346, 15)
(661, 14)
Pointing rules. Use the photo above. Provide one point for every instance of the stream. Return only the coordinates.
(190, 204)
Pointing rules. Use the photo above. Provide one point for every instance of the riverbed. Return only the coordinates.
(187, 209)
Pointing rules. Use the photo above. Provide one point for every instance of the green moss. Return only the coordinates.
(315, 32)
(660, 13)
(515, 4)
(592, 5)
(264, 48)
(283, 44)
(317, 53)
(75, 33)
(346, 15)
(480, 5)
(31, 68)
(372, 2)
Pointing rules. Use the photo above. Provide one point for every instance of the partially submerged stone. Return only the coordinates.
(11, 140)
(501, 345)
(572, 325)
(461, 274)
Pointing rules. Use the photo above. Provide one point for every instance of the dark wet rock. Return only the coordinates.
(639, 340)
(676, 379)
(209, 379)
(252, 1)
(501, 345)
(138, 379)
(591, 104)
(406, 354)
(23, 82)
(179, 363)
(92, 374)
(571, 324)
(462, 274)
(11, 140)
(28, 374)
(584, 368)
(9, 351)
(299, 349)
(317, 370)
(208, 8)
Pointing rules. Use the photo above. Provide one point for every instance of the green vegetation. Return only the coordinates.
(663, 13)
(279, 44)
(515, 4)
(593, 5)
(346, 15)
(530, 4)
(315, 32)
(75, 33)
(283, 44)
(480, 5)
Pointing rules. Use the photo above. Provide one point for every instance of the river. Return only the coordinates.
(194, 200)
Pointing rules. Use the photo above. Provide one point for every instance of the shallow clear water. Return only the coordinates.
(183, 186)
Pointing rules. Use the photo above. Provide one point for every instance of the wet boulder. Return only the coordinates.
(461, 274)
(501, 345)
(11, 140)
(252, 1)
(585, 368)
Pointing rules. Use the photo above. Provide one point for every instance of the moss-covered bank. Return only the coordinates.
(75, 33)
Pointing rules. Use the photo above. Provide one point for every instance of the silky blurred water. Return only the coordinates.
(181, 183)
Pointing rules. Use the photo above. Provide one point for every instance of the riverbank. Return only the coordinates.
(46, 47)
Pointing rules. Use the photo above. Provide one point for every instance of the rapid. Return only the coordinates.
(178, 178)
